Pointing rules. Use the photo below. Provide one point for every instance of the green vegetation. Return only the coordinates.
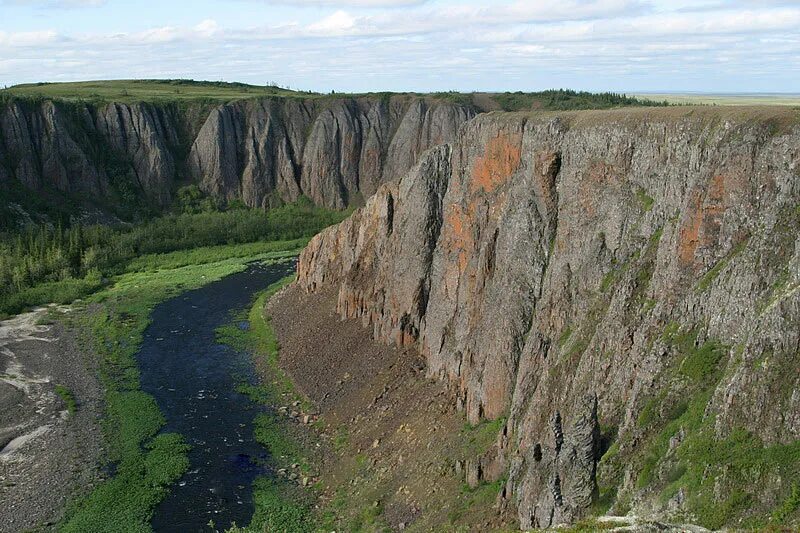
(190, 91)
(68, 398)
(341, 439)
(480, 437)
(565, 99)
(146, 462)
(564, 337)
(720, 476)
(644, 200)
(279, 505)
(788, 507)
(122, 273)
(149, 91)
(275, 510)
(46, 204)
(709, 277)
(43, 264)
(481, 496)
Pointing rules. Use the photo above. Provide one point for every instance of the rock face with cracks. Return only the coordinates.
(336, 151)
(623, 286)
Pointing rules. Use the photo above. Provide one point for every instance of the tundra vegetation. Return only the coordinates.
(120, 273)
(47, 263)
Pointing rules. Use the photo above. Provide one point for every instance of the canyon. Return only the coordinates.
(263, 152)
(622, 287)
(615, 293)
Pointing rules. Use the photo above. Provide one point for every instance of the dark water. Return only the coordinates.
(193, 379)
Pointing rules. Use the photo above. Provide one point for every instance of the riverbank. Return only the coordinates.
(143, 462)
(393, 452)
(50, 435)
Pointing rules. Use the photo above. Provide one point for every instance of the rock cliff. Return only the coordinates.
(337, 151)
(622, 286)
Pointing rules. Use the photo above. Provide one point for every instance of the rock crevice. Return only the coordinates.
(540, 261)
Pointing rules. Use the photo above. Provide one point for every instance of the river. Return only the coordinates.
(193, 379)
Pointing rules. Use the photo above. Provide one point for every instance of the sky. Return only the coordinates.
(411, 45)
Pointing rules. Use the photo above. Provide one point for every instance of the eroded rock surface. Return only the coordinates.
(635, 270)
(336, 151)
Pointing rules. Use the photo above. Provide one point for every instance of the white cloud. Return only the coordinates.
(63, 4)
(349, 3)
(27, 38)
(515, 45)
(207, 28)
(336, 24)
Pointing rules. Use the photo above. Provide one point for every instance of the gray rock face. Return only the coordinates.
(263, 152)
(558, 474)
(646, 258)
(43, 152)
(336, 152)
(147, 137)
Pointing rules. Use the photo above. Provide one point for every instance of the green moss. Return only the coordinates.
(271, 433)
(341, 439)
(608, 280)
(644, 200)
(68, 398)
(789, 506)
(481, 496)
(369, 520)
(720, 477)
(564, 337)
(476, 440)
(742, 463)
(701, 364)
(709, 277)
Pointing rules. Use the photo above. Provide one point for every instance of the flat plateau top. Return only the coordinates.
(742, 99)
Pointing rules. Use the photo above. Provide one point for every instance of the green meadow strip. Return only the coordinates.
(145, 462)
(280, 505)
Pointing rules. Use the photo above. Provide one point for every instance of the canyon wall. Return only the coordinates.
(261, 151)
(622, 286)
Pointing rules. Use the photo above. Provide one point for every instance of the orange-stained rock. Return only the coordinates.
(542, 264)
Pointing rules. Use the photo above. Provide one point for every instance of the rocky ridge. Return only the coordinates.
(622, 286)
(260, 151)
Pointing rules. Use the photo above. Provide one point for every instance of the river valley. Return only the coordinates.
(193, 379)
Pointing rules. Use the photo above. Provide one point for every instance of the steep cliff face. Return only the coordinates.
(623, 286)
(336, 152)
(261, 151)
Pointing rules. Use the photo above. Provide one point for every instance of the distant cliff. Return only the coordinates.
(623, 286)
(261, 151)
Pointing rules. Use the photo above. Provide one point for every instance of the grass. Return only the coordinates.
(644, 200)
(709, 277)
(788, 507)
(146, 462)
(187, 91)
(280, 506)
(212, 254)
(723, 99)
(129, 91)
(68, 398)
(477, 439)
(481, 496)
(721, 476)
